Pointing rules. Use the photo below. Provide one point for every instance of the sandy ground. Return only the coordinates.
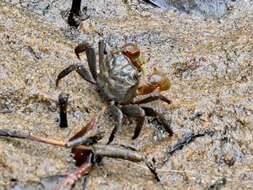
(209, 63)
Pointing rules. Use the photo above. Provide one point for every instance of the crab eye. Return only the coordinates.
(131, 50)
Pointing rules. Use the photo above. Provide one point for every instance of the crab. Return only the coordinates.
(119, 83)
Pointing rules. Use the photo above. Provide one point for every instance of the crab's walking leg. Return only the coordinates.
(152, 113)
(80, 69)
(101, 51)
(137, 112)
(91, 57)
(152, 98)
(118, 115)
(140, 123)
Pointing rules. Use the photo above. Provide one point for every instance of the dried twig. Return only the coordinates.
(63, 104)
(85, 147)
(187, 139)
(111, 151)
(70, 180)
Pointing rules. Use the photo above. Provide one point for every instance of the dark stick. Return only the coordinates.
(63, 104)
(187, 139)
(111, 151)
(21, 135)
(114, 151)
(76, 7)
(75, 14)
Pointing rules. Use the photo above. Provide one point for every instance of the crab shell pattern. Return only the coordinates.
(118, 79)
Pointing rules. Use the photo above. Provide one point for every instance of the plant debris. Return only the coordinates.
(85, 148)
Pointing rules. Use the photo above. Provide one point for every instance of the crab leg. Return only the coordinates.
(152, 98)
(152, 113)
(101, 50)
(140, 123)
(118, 115)
(80, 69)
(91, 57)
(137, 112)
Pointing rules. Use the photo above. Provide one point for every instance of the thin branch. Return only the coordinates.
(70, 180)
(27, 136)
(111, 151)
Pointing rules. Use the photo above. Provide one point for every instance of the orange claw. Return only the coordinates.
(157, 81)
